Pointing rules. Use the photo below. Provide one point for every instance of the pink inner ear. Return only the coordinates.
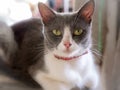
(45, 12)
(45, 15)
(88, 11)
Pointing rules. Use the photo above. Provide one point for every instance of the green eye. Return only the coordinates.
(56, 32)
(78, 32)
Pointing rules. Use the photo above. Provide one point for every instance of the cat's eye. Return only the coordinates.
(56, 32)
(78, 32)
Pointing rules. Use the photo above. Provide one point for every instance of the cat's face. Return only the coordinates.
(67, 35)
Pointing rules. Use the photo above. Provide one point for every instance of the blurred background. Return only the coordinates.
(106, 29)
(12, 11)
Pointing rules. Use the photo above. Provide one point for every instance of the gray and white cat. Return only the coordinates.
(55, 50)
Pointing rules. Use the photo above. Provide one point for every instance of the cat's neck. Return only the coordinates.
(72, 71)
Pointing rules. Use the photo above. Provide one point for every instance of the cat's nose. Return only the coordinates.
(67, 45)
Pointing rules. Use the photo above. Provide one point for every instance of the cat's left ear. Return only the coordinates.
(46, 13)
(86, 12)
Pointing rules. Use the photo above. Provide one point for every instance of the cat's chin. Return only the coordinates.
(69, 58)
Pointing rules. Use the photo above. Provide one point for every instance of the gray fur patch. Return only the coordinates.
(7, 42)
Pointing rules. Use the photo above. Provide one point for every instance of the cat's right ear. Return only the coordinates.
(46, 13)
(86, 12)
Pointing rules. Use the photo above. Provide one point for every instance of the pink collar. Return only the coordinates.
(69, 58)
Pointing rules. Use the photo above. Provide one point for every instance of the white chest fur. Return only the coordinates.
(65, 75)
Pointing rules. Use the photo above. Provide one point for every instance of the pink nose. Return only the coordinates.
(67, 44)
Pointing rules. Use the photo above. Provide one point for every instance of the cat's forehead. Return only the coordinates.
(62, 20)
(65, 16)
(68, 19)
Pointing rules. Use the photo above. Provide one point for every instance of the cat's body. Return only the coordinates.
(7, 43)
(55, 51)
(74, 73)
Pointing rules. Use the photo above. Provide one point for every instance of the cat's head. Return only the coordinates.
(67, 36)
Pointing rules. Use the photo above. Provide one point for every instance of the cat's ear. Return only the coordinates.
(46, 13)
(87, 11)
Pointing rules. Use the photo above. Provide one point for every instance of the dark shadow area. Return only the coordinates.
(22, 78)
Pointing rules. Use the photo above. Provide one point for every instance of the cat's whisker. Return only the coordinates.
(96, 52)
(93, 44)
(94, 40)
(49, 41)
(40, 49)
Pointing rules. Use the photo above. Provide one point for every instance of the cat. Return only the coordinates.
(55, 50)
(7, 42)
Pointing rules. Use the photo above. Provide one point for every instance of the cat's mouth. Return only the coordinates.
(69, 58)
